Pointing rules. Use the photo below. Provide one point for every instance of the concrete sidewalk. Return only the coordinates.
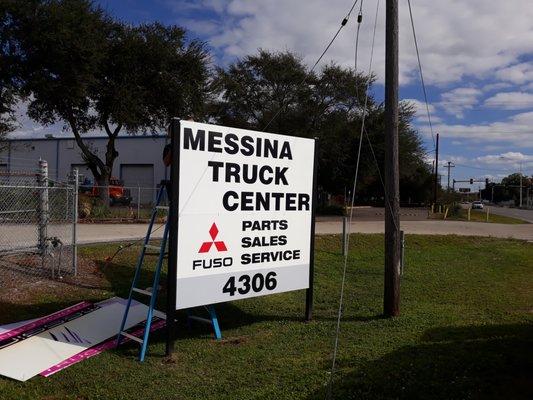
(102, 233)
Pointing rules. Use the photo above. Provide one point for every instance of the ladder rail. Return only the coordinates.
(140, 261)
(154, 294)
(213, 320)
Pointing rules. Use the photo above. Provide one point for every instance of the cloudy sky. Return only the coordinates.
(477, 59)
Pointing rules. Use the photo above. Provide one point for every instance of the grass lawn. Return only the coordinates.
(481, 216)
(465, 332)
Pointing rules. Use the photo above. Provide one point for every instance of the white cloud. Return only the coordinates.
(495, 86)
(457, 101)
(511, 101)
(512, 161)
(420, 106)
(518, 73)
(456, 38)
(421, 111)
(514, 131)
(505, 158)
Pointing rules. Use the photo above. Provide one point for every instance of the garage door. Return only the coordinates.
(140, 179)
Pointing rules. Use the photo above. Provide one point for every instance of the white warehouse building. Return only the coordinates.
(139, 162)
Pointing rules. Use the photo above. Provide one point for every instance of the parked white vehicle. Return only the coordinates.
(477, 205)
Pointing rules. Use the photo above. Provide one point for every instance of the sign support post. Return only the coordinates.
(309, 291)
(173, 236)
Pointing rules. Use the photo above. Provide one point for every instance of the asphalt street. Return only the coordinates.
(526, 215)
(101, 233)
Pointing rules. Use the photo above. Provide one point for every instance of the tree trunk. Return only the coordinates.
(103, 188)
(100, 171)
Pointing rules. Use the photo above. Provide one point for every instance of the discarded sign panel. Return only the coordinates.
(27, 358)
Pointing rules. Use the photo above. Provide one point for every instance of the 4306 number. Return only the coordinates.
(245, 283)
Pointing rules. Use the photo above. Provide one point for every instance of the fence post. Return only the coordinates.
(402, 251)
(43, 206)
(344, 241)
(138, 201)
(75, 221)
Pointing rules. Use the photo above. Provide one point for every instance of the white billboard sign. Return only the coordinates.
(245, 213)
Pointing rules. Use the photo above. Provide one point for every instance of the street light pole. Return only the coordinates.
(449, 166)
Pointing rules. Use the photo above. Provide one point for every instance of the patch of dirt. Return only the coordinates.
(23, 279)
(235, 341)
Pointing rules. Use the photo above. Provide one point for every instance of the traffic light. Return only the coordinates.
(471, 181)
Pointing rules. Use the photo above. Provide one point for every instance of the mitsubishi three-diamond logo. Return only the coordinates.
(206, 246)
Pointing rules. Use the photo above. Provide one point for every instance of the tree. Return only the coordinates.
(8, 58)
(276, 90)
(511, 186)
(88, 71)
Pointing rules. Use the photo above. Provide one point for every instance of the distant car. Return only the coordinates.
(477, 205)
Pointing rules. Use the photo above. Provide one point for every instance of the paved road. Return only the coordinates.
(378, 214)
(526, 215)
(98, 233)
(429, 227)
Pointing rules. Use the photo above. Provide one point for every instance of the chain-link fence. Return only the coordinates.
(37, 226)
(125, 203)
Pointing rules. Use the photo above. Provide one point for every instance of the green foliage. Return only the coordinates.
(77, 65)
(100, 210)
(8, 70)
(455, 210)
(86, 70)
(277, 92)
(508, 189)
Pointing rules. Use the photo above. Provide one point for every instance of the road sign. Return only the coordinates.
(245, 202)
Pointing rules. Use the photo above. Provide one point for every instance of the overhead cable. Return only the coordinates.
(421, 73)
(343, 23)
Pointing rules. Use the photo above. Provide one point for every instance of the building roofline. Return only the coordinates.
(85, 138)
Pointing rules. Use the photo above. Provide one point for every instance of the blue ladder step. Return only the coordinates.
(142, 291)
(129, 336)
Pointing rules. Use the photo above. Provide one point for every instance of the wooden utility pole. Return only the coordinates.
(435, 191)
(391, 299)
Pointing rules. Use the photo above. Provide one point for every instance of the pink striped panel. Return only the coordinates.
(44, 320)
(93, 351)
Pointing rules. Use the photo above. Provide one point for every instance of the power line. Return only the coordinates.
(343, 23)
(343, 282)
(421, 73)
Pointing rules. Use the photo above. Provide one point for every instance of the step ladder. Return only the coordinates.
(149, 292)
(152, 292)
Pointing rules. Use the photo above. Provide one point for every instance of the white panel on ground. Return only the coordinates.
(25, 359)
